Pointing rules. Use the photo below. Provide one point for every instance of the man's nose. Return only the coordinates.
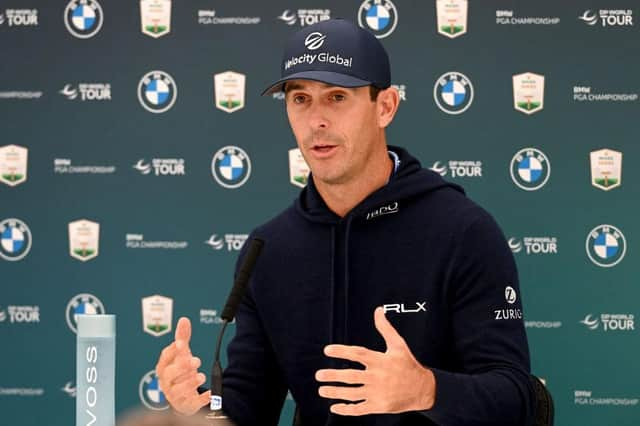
(318, 118)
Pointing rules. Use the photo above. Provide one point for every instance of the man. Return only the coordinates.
(374, 298)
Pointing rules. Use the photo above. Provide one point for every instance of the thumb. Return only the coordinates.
(183, 334)
(386, 330)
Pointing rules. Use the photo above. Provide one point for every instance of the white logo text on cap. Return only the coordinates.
(314, 41)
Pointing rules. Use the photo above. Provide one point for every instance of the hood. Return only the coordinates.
(408, 181)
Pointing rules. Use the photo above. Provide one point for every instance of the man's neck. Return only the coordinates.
(342, 198)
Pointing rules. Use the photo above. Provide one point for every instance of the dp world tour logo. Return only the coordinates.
(15, 239)
(606, 245)
(150, 393)
(530, 169)
(453, 92)
(157, 91)
(231, 167)
(378, 16)
(82, 304)
(83, 18)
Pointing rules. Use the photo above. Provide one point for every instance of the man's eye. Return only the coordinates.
(298, 99)
(338, 97)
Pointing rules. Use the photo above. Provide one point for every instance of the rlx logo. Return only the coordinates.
(400, 308)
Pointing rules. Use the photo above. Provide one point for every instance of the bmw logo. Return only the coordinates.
(453, 92)
(231, 167)
(530, 169)
(150, 393)
(606, 245)
(85, 304)
(157, 91)
(15, 239)
(378, 16)
(83, 18)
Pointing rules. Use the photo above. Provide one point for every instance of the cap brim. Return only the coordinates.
(329, 77)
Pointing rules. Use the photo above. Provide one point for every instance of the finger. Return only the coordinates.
(167, 356)
(343, 392)
(186, 373)
(195, 404)
(183, 334)
(386, 330)
(180, 366)
(353, 353)
(188, 389)
(350, 376)
(351, 409)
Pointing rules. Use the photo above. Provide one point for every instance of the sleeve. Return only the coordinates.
(254, 387)
(489, 382)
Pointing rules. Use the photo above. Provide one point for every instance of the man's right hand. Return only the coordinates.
(177, 371)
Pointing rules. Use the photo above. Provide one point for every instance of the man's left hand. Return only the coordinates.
(392, 381)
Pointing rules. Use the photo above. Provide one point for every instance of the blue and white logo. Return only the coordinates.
(453, 92)
(83, 18)
(150, 393)
(82, 304)
(378, 16)
(15, 239)
(157, 91)
(530, 169)
(606, 245)
(231, 167)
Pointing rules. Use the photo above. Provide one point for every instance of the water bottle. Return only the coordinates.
(96, 370)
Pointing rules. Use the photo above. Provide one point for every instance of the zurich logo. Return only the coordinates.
(314, 40)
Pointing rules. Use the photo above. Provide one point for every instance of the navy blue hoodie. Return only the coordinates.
(437, 262)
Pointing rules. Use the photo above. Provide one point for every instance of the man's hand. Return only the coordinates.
(177, 372)
(392, 381)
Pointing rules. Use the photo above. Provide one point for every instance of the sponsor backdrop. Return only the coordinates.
(136, 156)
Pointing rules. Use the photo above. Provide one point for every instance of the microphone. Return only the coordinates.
(228, 314)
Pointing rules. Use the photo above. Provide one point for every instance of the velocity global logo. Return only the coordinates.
(606, 246)
(453, 92)
(530, 169)
(378, 16)
(157, 91)
(83, 18)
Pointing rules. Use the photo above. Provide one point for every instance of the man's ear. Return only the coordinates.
(387, 104)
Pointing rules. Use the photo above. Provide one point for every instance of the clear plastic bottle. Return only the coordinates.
(96, 370)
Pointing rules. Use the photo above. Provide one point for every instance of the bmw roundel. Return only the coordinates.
(157, 91)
